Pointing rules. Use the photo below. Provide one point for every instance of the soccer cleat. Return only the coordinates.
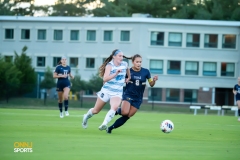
(102, 127)
(84, 121)
(61, 115)
(108, 130)
(66, 113)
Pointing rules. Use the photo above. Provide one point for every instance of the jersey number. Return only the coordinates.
(137, 82)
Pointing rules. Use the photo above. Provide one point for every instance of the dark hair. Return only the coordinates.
(135, 56)
(59, 62)
(107, 60)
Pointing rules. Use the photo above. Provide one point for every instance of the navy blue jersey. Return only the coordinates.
(136, 86)
(237, 88)
(62, 70)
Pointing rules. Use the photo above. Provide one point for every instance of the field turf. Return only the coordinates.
(199, 137)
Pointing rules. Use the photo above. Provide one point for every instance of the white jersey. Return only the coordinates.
(115, 85)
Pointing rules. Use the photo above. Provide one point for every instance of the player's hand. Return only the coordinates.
(72, 77)
(155, 78)
(64, 75)
(234, 92)
(127, 80)
(118, 71)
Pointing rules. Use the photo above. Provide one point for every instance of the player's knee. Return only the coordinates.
(95, 111)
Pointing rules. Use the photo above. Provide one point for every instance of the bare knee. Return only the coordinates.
(95, 111)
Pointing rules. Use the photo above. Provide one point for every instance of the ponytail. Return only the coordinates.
(107, 60)
(59, 62)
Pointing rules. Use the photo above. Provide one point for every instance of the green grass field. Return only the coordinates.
(194, 137)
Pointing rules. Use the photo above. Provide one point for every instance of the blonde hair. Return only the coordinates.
(107, 60)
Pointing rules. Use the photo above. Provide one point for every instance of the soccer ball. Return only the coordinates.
(167, 126)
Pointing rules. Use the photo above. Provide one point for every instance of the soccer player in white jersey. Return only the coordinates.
(113, 71)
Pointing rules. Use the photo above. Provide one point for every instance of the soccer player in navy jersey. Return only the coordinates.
(236, 92)
(133, 94)
(62, 72)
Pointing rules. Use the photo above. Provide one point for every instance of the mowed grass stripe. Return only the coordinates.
(194, 137)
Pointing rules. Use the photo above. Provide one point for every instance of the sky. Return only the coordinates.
(44, 2)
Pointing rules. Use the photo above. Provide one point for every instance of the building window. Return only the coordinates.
(74, 62)
(209, 68)
(191, 68)
(125, 36)
(42, 34)
(155, 94)
(173, 95)
(90, 62)
(9, 33)
(229, 41)
(74, 35)
(193, 40)
(41, 61)
(210, 40)
(190, 95)
(175, 39)
(58, 35)
(25, 34)
(108, 35)
(8, 59)
(174, 67)
(56, 60)
(91, 35)
(156, 66)
(157, 38)
(103, 60)
(227, 69)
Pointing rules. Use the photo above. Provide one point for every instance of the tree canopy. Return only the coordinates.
(181, 9)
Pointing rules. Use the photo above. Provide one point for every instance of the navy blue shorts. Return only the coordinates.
(134, 102)
(62, 84)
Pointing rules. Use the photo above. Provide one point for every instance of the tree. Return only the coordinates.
(73, 8)
(9, 79)
(78, 84)
(28, 76)
(48, 82)
(95, 83)
(5, 7)
(24, 7)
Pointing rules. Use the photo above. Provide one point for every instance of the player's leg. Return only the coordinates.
(238, 103)
(122, 120)
(114, 103)
(125, 108)
(97, 108)
(60, 100)
(65, 97)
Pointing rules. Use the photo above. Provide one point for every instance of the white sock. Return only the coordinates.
(109, 116)
(89, 113)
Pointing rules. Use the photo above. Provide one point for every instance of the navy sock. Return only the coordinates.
(60, 106)
(66, 104)
(118, 111)
(119, 122)
(239, 112)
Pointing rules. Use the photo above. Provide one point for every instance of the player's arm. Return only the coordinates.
(56, 75)
(152, 81)
(128, 75)
(70, 74)
(107, 76)
(234, 90)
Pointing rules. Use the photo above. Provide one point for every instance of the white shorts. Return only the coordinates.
(105, 97)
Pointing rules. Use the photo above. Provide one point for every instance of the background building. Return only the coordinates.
(197, 61)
